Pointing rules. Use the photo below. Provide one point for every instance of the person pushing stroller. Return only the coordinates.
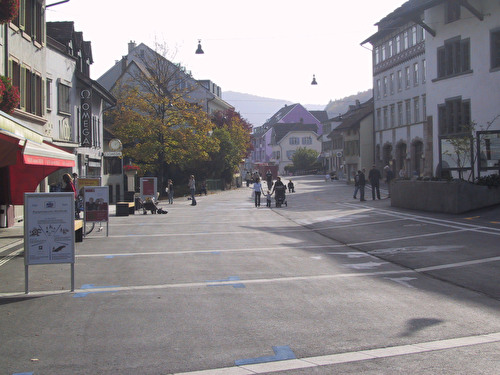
(280, 189)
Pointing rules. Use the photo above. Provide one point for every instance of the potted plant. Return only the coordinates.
(9, 95)
(9, 10)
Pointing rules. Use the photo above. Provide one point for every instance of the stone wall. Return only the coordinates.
(442, 196)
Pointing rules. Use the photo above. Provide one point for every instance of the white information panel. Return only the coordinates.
(49, 228)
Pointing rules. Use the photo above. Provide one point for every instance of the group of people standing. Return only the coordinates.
(258, 189)
(374, 177)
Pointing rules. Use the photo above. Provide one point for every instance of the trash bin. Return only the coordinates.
(6, 215)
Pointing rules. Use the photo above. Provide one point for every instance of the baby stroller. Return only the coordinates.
(280, 196)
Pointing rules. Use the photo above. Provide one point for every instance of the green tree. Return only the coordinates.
(156, 118)
(305, 158)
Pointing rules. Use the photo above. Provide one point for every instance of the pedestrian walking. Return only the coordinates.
(389, 175)
(374, 177)
(170, 191)
(268, 199)
(257, 190)
(192, 189)
(362, 183)
(269, 179)
(356, 184)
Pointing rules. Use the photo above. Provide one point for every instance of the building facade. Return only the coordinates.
(403, 138)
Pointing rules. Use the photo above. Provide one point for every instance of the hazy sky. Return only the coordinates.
(267, 48)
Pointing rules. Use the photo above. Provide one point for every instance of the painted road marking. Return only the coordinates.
(349, 357)
(257, 281)
(93, 289)
(281, 353)
(227, 282)
(11, 256)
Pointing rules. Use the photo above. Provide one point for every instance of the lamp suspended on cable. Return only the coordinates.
(199, 51)
(314, 80)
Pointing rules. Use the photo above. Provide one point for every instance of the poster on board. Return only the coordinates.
(96, 205)
(49, 228)
(148, 187)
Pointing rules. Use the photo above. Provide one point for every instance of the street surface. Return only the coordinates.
(325, 285)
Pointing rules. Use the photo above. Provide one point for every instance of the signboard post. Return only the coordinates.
(96, 205)
(49, 231)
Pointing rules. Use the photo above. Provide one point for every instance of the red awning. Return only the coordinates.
(35, 161)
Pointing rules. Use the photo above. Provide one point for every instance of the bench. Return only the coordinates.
(78, 230)
(125, 208)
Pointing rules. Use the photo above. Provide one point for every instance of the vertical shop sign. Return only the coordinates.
(86, 118)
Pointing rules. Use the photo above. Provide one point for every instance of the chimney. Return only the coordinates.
(124, 63)
(357, 103)
(131, 46)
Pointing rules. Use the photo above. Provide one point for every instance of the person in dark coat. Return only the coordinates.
(362, 183)
(374, 176)
(389, 175)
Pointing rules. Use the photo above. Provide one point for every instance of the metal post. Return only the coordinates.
(26, 288)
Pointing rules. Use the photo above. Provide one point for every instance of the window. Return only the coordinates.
(424, 106)
(385, 118)
(294, 141)
(416, 109)
(424, 70)
(454, 57)
(384, 56)
(415, 74)
(289, 154)
(405, 40)
(453, 115)
(400, 80)
(407, 77)
(414, 35)
(112, 166)
(400, 113)
(495, 49)
(452, 11)
(30, 19)
(392, 115)
(48, 94)
(307, 141)
(390, 51)
(379, 119)
(63, 98)
(408, 111)
(385, 86)
(378, 88)
(391, 84)
(398, 44)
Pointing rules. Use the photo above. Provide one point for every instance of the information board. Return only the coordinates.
(148, 187)
(49, 228)
(96, 205)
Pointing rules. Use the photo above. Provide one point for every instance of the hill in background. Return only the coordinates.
(257, 109)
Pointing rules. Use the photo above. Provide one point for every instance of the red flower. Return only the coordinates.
(9, 95)
(9, 10)
(130, 167)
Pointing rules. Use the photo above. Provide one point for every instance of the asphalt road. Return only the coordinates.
(325, 285)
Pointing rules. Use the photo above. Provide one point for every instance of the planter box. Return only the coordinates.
(453, 197)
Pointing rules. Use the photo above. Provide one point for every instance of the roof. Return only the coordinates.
(404, 14)
(281, 130)
(355, 115)
(279, 115)
(321, 116)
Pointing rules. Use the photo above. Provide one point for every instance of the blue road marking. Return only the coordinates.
(23, 373)
(94, 289)
(230, 278)
(117, 255)
(281, 353)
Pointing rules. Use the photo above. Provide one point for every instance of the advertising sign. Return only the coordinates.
(148, 187)
(49, 222)
(96, 204)
(86, 118)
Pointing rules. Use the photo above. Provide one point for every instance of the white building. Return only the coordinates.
(402, 135)
(464, 76)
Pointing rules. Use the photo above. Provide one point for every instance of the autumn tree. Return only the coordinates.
(233, 135)
(157, 117)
